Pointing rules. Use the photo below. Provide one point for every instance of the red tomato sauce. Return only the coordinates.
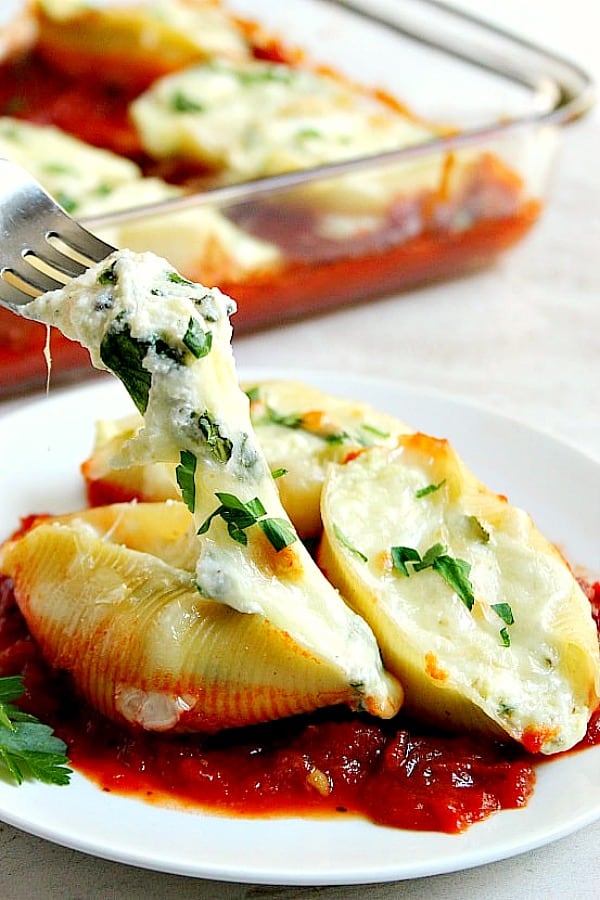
(331, 763)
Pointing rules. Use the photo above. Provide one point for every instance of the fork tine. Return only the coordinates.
(29, 221)
(38, 280)
(13, 296)
(84, 242)
(52, 256)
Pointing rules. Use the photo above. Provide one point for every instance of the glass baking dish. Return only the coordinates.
(314, 238)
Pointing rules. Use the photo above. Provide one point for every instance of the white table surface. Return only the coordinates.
(522, 338)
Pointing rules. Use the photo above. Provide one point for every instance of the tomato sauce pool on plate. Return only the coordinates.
(330, 763)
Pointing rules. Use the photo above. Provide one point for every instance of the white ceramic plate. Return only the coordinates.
(41, 447)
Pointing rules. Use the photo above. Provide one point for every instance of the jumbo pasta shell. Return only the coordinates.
(536, 679)
(300, 428)
(144, 647)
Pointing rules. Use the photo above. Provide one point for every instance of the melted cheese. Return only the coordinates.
(259, 118)
(193, 403)
(453, 661)
(181, 30)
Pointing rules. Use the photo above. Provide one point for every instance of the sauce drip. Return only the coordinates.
(332, 763)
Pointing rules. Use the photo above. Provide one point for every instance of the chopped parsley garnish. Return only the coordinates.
(287, 420)
(377, 432)
(66, 201)
(345, 542)
(198, 341)
(505, 636)
(175, 278)
(455, 572)
(278, 473)
(124, 355)
(430, 489)
(506, 614)
(306, 134)
(109, 275)
(182, 103)
(28, 749)
(253, 394)
(480, 530)
(185, 474)
(240, 516)
(220, 446)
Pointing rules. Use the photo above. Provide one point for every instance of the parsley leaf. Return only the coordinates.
(185, 474)
(455, 572)
(240, 516)
(28, 749)
(175, 278)
(198, 341)
(402, 555)
(279, 533)
(220, 446)
(505, 612)
(124, 355)
(344, 541)
(430, 489)
(181, 103)
(109, 275)
(505, 637)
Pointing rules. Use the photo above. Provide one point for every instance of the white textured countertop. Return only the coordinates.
(522, 338)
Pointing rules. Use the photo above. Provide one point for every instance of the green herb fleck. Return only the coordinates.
(278, 473)
(67, 202)
(109, 275)
(28, 749)
(505, 612)
(505, 636)
(377, 432)
(403, 555)
(253, 394)
(306, 134)
(176, 278)
(198, 341)
(430, 489)
(345, 542)
(56, 168)
(279, 532)
(240, 516)
(181, 103)
(455, 572)
(481, 532)
(124, 355)
(220, 446)
(287, 420)
(185, 474)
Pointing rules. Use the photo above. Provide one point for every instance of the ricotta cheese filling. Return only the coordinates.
(168, 340)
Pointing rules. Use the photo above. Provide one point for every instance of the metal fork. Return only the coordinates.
(41, 246)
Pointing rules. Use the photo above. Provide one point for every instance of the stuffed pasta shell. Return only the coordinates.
(139, 640)
(301, 430)
(474, 610)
